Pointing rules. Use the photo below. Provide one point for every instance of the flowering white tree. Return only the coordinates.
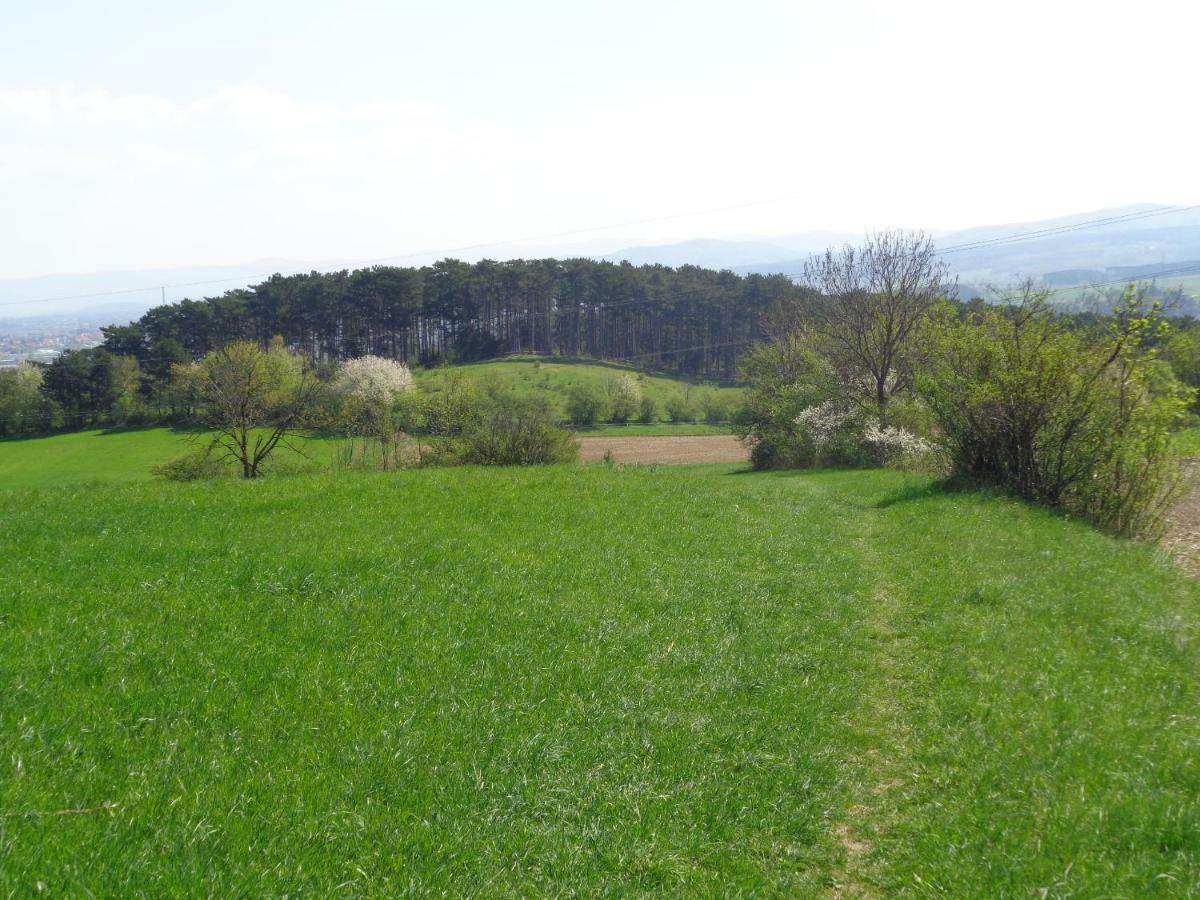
(368, 388)
(373, 379)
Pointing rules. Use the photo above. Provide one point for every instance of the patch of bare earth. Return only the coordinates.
(667, 450)
(1182, 539)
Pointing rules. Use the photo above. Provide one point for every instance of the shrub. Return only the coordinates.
(715, 407)
(647, 410)
(585, 404)
(1055, 415)
(518, 433)
(791, 421)
(453, 409)
(197, 465)
(782, 375)
(680, 410)
(626, 399)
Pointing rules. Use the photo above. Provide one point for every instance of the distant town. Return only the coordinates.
(44, 338)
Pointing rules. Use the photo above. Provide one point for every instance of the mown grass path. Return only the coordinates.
(512, 682)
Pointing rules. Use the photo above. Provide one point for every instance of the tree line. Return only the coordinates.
(689, 320)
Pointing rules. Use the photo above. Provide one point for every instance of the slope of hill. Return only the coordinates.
(600, 681)
(552, 380)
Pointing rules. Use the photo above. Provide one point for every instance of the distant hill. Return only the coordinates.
(1151, 242)
(1134, 248)
(1072, 244)
(710, 254)
(1113, 273)
(128, 294)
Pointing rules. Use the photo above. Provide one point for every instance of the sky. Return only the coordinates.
(149, 134)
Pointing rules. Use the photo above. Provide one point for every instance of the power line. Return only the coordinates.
(1192, 269)
(1064, 229)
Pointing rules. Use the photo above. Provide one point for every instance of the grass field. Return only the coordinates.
(1189, 285)
(118, 455)
(551, 381)
(86, 457)
(589, 680)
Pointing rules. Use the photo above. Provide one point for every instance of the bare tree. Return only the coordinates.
(253, 400)
(872, 297)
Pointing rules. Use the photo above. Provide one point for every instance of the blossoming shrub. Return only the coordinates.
(372, 379)
(845, 435)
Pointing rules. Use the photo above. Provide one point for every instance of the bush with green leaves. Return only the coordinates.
(783, 388)
(518, 432)
(716, 409)
(451, 410)
(1182, 352)
(200, 464)
(647, 410)
(1074, 419)
(680, 409)
(586, 405)
(626, 399)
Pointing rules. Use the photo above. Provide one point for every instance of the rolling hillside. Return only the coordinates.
(552, 380)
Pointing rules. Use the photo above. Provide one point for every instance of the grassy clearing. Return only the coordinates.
(116, 455)
(551, 381)
(97, 457)
(1189, 285)
(87, 456)
(520, 681)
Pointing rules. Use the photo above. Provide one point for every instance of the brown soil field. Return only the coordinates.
(708, 448)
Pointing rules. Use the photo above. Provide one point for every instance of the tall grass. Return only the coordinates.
(600, 680)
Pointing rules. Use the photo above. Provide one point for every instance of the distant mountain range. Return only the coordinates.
(1134, 241)
(737, 255)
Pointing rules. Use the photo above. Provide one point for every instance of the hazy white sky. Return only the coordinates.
(140, 134)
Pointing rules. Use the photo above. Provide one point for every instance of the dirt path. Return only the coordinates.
(1182, 539)
(708, 448)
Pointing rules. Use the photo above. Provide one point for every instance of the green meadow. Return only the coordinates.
(589, 680)
(118, 455)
